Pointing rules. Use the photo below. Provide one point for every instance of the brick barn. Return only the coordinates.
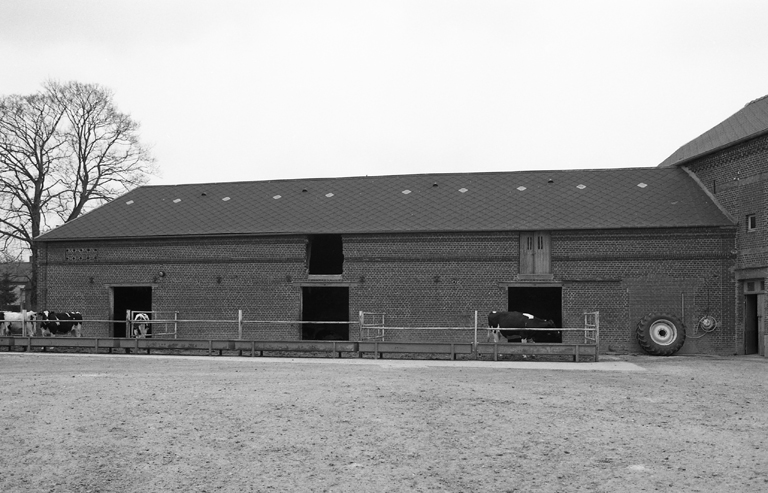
(426, 250)
(730, 160)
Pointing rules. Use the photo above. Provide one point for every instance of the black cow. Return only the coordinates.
(519, 321)
(60, 323)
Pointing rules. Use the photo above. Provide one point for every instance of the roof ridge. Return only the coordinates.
(756, 100)
(404, 175)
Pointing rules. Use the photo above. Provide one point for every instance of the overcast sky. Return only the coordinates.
(230, 90)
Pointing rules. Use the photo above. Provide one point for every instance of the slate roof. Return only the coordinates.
(749, 122)
(526, 200)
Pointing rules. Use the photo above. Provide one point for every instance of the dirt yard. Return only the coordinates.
(99, 423)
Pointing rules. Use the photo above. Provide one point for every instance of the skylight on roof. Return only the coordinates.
(581, 186)
(225, 199)
(176, 201)
(406, 192)
(129, 202)
(329, 194)
(463, 190)
(642, 185)
(521, 188)
(277, 197)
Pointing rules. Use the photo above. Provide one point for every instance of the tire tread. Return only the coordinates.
(644, 339)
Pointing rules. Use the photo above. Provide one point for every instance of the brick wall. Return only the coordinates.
(431, 280)
(684, 272)
(738, 177)
(418, 280)
(204, 279)
(441, 280)
(604, 296)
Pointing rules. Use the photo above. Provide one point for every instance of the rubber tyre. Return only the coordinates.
(660, 334)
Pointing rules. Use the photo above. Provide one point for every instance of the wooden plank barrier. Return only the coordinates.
(209, 345)
(379, 348)
(535, 348)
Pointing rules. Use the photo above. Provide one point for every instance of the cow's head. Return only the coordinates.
(49, 318)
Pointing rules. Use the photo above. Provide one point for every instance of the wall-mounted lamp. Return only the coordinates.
(161, 273)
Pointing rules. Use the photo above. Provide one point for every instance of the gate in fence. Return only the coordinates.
(592, 328)
(371, 326)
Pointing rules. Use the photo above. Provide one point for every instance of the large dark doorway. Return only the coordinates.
(325, 304)
(541, 302)
(751, 345)
(129, 298)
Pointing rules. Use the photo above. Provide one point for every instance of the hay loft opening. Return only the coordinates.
(325, 254)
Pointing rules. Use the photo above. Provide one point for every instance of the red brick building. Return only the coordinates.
(731, 161)
(426, 250)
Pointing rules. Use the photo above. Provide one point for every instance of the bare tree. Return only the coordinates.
(106, 157)
(63, 151)
(31, 148)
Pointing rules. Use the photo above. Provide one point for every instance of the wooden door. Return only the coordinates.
(542, 254)
(535, 252)
(527, 253)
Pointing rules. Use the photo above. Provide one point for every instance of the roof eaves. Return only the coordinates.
(393, 231)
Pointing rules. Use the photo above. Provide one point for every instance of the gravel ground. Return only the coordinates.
(128, 423)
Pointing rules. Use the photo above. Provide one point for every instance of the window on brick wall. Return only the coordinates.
(751, 222)
(535, 252)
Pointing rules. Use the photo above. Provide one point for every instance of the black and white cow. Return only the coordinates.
(15, 323)
(141, 326)
(60, 323)
(498, 321)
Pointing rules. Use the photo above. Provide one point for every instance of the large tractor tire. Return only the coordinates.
(660, 334)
